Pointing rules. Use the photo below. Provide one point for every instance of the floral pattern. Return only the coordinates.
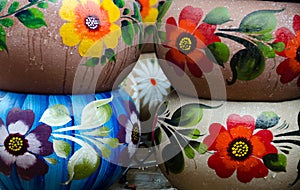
(289, 69)
(238, 148)
(186, 40)
(91, 24)
(148, 11)
(23, 146)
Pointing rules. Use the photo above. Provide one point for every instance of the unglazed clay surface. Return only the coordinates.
(47, 46)
(228, 145)
(250, 48)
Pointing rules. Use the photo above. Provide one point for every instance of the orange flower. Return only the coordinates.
(237, 148)
(148, 12)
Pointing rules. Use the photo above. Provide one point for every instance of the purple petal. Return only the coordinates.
(122, 120)
(6, 162)
(16, 114)
(38, 140)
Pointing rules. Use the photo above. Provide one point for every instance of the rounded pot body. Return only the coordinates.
(235, 50)
(47, 46)
(205, 144)
(65, 141)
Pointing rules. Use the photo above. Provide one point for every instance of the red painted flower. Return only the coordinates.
(238, 149)
(289, 69)
(187, 40)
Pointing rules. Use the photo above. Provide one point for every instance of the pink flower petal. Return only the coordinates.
(296, 23)
(191, 14)
(235, 120)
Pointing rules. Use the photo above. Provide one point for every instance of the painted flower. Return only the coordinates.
(289, 69)
(130, 129)
(148, 12)
(90, 24)
(238, 149)
(187, 40)
(23, 147)
(152, 84)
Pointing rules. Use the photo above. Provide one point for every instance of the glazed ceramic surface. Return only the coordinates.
(65, 142)
(207, 145)
(248, 48)
(46, 45)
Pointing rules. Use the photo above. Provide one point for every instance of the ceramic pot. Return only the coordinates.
(203, 144)
(235, 50)
(47, 45)
(65, 142)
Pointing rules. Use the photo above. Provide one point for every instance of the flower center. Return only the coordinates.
(298, 54)
(92, 22)
(153, 81)
(240, 149)
(186, 43)
(135, 134)
(16, 144)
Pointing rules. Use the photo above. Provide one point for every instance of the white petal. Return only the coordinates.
(144, 92)
(34, 144)
(148, 97)
(129, 129)
(18, 127)
(133, 118)
(8, 158)
(131, 149)
(3, 134)
(26, 160)
(143, 85)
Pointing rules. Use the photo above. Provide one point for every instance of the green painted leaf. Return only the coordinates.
(31, 18)
(189, 152)
(56, 115)
(82, 164)
(267, 120)
(201, 148)
(3, 45)
(110, 54)
(163, 10)
(136, 12)
(126, 11)
(279, 46)
(13, 7)
(112, 142)
(53, 1)
(157, 136)
(187, 116)
(127, 32)
(275, 162)
(119, 3)
(62, 148)
(195, 134)
(219, 15)
(268, 51)
(51, 160)
(263, 37)
(43, 5)
(100, 143)
(173, 159)
(259, 22)
(7, 22)
(3, 4)
(103, 60)
(92, 62)
(218, 52)
(99, 132)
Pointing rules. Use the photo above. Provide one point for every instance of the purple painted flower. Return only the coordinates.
(22, 147)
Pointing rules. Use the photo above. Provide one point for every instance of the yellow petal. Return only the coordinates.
(151, 17)
(113, 10)
(66, 11)
(111, 40)
(153, 2)
(83, 2)
(68, 34)
(89, 48)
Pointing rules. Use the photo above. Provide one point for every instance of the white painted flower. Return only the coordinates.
(151, 82)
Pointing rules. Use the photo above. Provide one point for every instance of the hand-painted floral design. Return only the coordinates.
(187, 40)
(24, 147)
(148, 11)
(90, 24)
(289, 69)
(130, 128)
(151, 83)
(238, 148)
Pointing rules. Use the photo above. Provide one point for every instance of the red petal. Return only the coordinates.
(246, 121)
(176, 60)
(261, 143)
(296, 23)
(283, 35)
(207, 30)
(289, 69)
(191, 14)
(223, 166)
(215, 129)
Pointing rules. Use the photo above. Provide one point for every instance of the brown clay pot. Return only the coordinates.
(67, 46)
(235, 50)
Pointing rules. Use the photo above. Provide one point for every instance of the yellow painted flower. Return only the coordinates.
(148, 11)
(90, 23)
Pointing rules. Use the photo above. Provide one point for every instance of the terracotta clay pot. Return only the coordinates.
(204, 144)
(66, 142)
(235, 50)
(47, 46)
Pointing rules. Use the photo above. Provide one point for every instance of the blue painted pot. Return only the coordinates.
(65, 142)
